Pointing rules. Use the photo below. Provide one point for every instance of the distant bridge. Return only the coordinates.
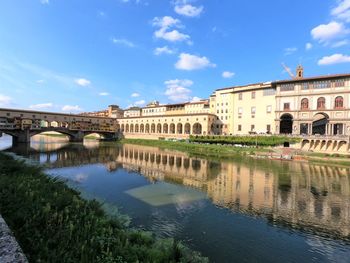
(23, 124)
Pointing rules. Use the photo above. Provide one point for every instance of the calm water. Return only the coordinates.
(240, 210)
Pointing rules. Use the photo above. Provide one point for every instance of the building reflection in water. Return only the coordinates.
(309, 196)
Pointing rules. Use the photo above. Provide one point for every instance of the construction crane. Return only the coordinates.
(288, 71)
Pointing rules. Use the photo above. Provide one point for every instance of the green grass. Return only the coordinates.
(264, 141)
(53, 223)
(205, 150)
(53, 134)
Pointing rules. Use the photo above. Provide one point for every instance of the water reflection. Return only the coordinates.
(293, 194)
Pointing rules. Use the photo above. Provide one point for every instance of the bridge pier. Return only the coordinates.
(77, 137)
(21, 137)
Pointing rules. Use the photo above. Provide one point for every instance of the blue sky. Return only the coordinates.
(79, 55)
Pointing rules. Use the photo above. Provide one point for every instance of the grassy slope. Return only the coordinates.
(54, 224)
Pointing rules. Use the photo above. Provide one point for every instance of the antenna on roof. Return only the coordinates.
(288, 71)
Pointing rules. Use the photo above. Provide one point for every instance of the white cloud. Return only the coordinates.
(290, 50)
(308, 46)
(195, 99)
(40, 81)
(342, 10)
(70, 108)
(140, 102)
(166, 22)
(45, 2)
(82, 82)
(135, 95)
(5, 100)
(188, 10)
(103, 94)
(123, 41)
(164, 32)
(326, 32)
(41, 106)
(172, 36)
(334, 59)
(178, 89)
(340, 43)
(192, 62)
(227, 74)
(163, 50)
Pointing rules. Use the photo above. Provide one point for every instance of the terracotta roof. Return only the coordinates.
(331, 76)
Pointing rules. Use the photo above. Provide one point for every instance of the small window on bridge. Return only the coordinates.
(8, 114)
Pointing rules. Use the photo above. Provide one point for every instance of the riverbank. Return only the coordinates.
(229, 151)
(53, 223)
(205, 150)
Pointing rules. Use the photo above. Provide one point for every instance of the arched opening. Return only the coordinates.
(64, 124)
(122, 128)
(179, 128)
(172, 128)
(165, 128)
(118, 127)
(286, 124)
(187, 128)
(44, 124)
(197, 128)
(304, 104)
(142, 128)
(136, 128)
(319, 123)
(153, 128)
(339, 102)
(159, 128)
(54, 124)
(131, 127)
(147, 128)
(127, 128)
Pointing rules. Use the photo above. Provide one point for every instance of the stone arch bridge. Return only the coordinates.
(23, 124)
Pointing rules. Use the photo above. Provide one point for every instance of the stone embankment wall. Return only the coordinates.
(10, 251)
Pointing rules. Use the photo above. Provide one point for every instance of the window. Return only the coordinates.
(287, 87)
(253, 94)
(268, 108)
(322, 84)
(226, 110)
(339, 83)
(253, 110)
(240, 96)
(240, 110)
(269, 92)
(286, 106)
(268, 128)
(321, 103)
(339, 102)
(304, 86)
(218, 111)
(239, 127)
(304, 104)
(252, 127)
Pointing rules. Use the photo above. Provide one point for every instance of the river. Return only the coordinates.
(239, 210)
